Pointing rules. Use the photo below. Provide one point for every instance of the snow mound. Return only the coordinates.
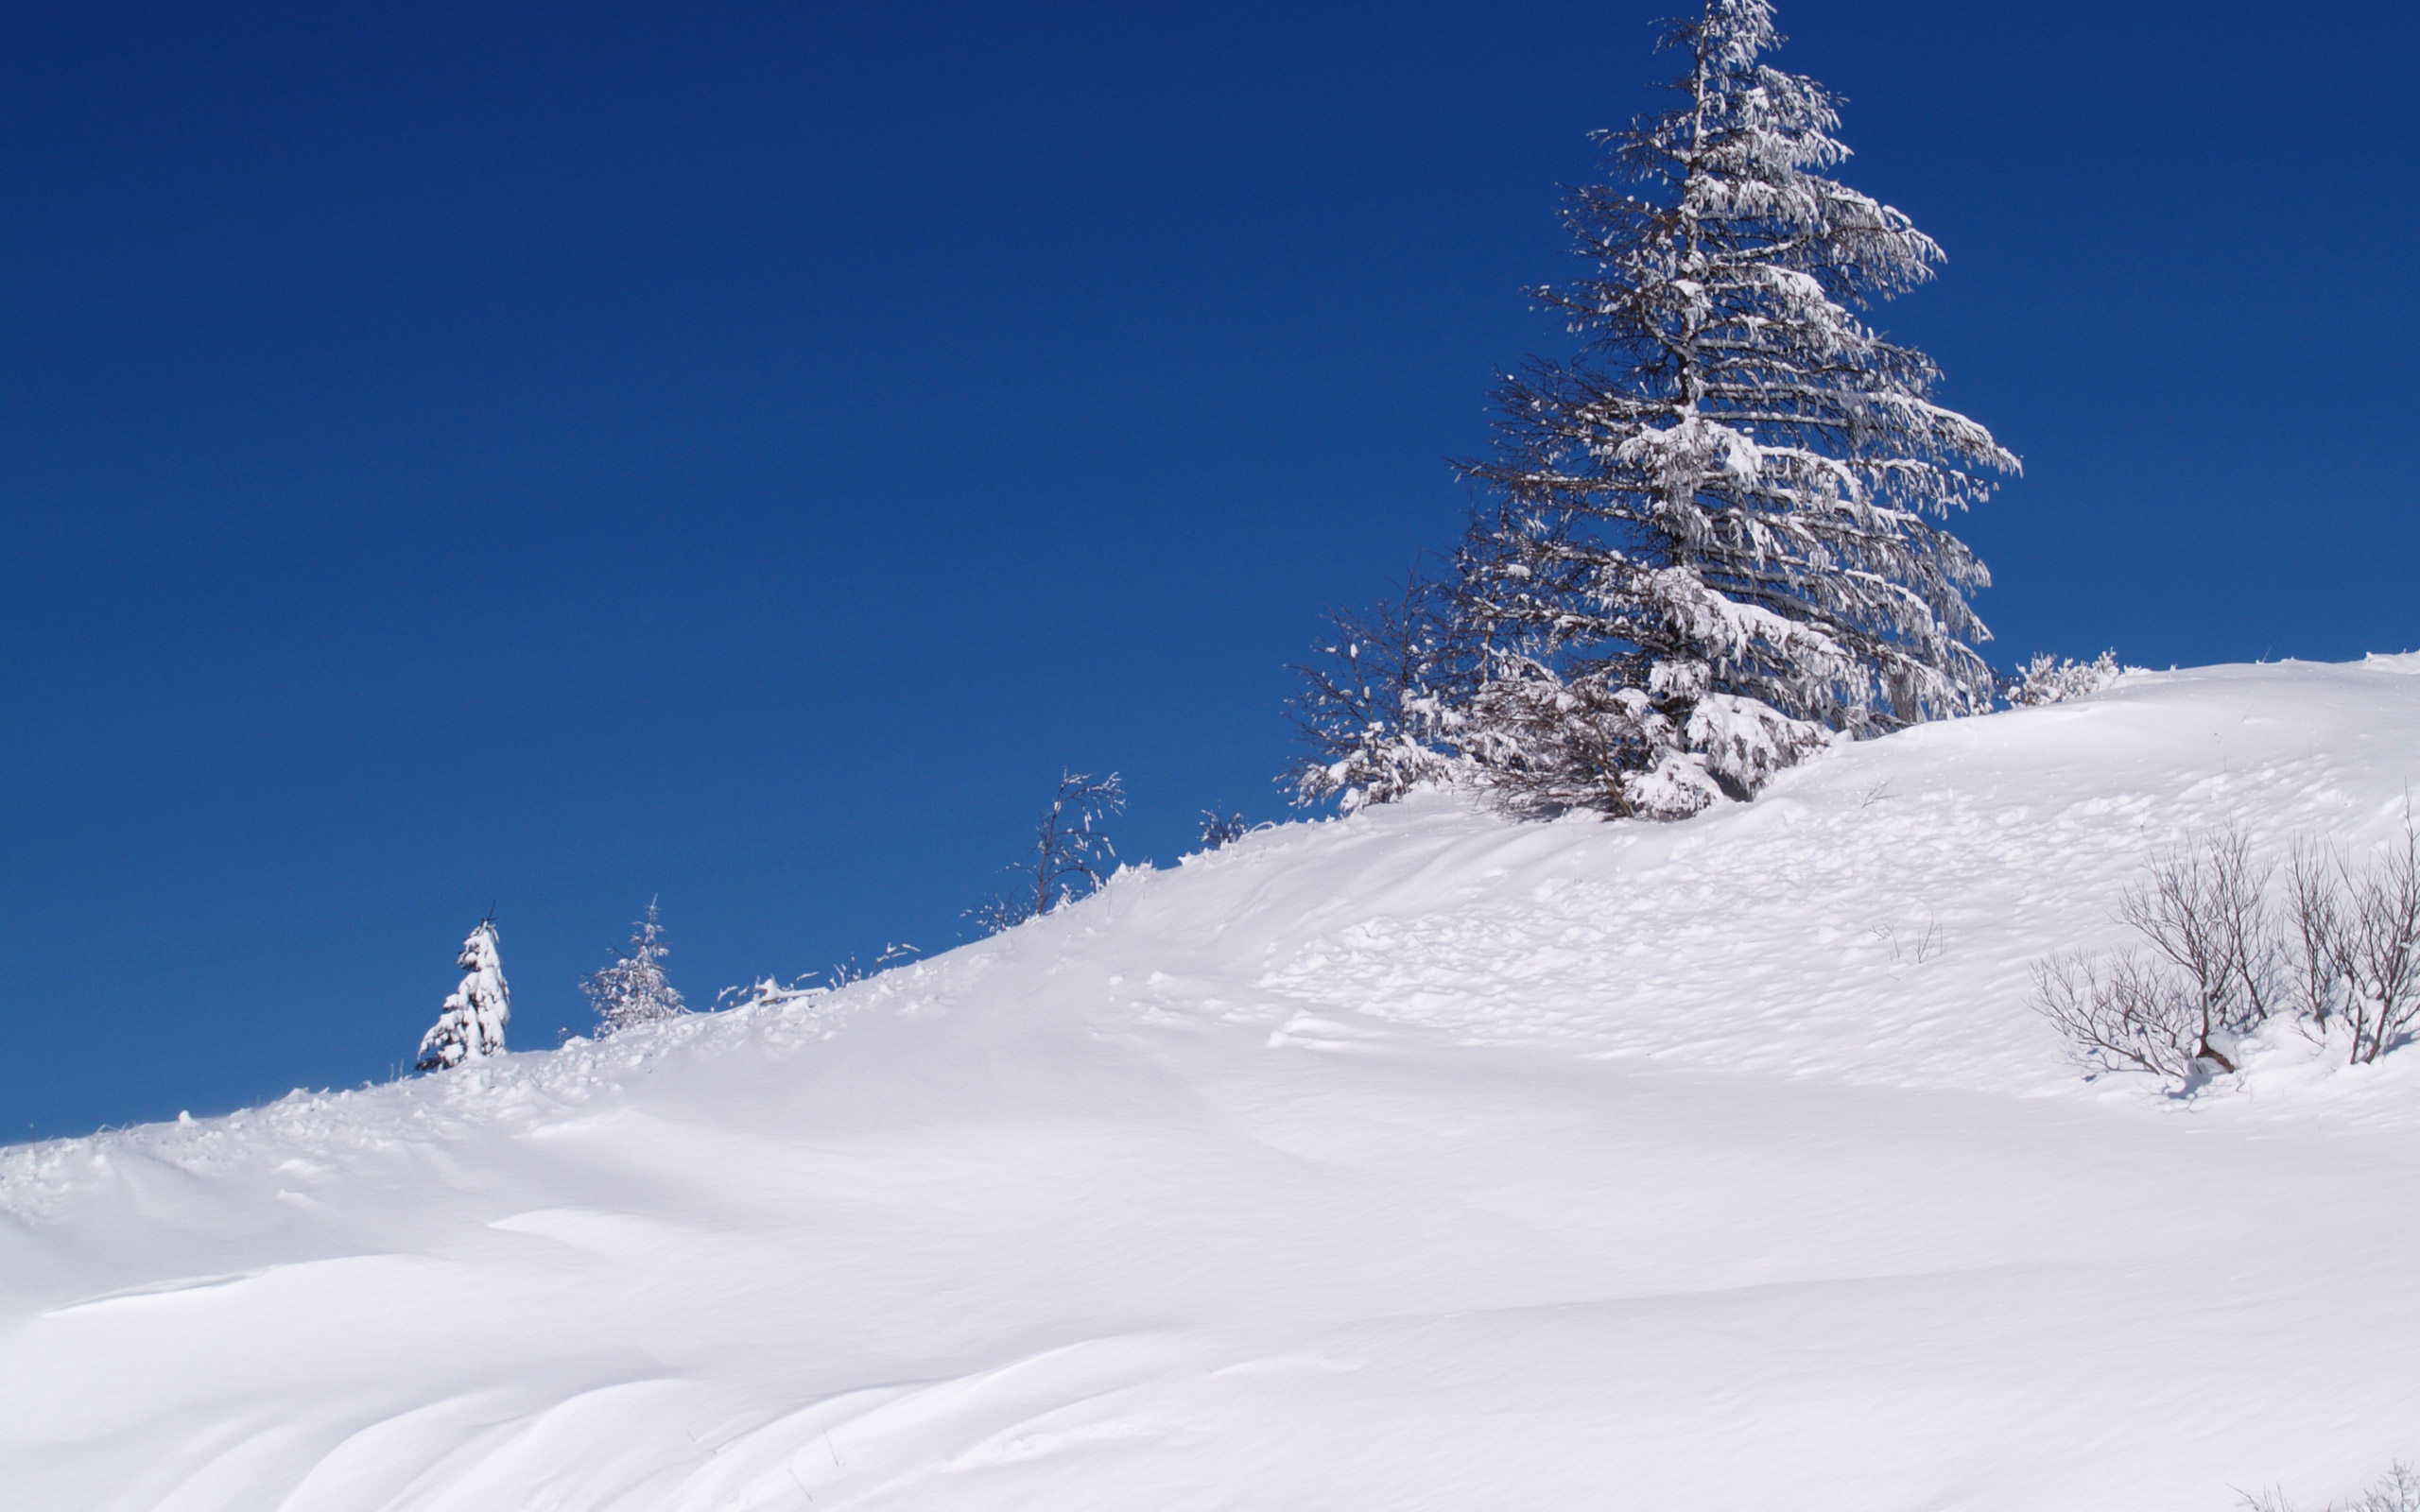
(1416, 1160)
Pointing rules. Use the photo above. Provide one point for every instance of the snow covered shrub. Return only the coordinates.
(2356, 944)
(630, 989)
(470, 1026)
(2399, 1492)
(2208, 976)
(1548, 746)
(1378, 709)
(2047, 679)
(1713, 539)
(1220, 831)
(1068, 852)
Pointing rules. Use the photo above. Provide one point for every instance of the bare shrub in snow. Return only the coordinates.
(2121, 1014)
(2049, 679)
(630, 989)
(1068, 852)
(470, 1026)
(2344, 957)
(2203, 912)
(2208, 976)
(1378, 705)
(2397, 1491)
(2357, 943)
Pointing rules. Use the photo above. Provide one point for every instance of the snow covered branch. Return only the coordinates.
(1069, 850)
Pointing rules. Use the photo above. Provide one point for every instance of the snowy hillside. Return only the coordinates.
(1415, 1160)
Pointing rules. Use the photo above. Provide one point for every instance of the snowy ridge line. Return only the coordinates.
(1465, 972)
(1441, 1160)
(511, 1092)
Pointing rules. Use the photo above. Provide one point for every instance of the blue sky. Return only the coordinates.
(560, 455)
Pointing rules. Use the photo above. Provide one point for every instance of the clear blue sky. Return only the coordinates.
(558, 455)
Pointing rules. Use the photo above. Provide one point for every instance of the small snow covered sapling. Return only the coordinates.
(470, 1024)
(1220, 831)
(630, 989)
(1068, 852)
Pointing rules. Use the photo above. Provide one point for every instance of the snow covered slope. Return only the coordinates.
(1416, 1160)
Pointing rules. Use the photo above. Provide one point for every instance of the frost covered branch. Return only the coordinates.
(1069, 850)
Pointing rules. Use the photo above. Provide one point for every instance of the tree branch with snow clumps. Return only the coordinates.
(1069, 850)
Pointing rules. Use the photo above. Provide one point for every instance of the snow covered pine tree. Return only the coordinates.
(631, 988)
(1711, 543)
(471, 1026)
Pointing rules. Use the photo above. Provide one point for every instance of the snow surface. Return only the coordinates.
(1413, 1161)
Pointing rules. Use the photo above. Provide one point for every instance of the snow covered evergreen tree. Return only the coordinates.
(630, 989)
(1713, 541)
(471, 1025)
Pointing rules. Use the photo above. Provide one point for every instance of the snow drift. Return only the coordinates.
(1414, 1161)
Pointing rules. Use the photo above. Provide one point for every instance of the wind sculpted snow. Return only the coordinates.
(1418, 1160)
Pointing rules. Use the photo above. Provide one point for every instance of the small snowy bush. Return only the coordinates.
(768, 992)
(1220, 831)
(844, 972)
(2047, 680)
(630, 989)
